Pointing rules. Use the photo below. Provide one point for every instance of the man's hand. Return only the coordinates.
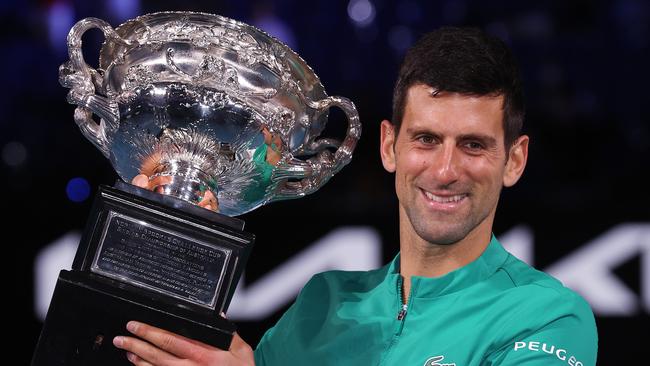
(209, 201)
(158, 347)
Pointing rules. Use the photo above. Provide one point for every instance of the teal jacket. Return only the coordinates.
(496, 310)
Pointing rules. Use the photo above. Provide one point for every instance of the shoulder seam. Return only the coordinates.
(507, 272)
(558, 289)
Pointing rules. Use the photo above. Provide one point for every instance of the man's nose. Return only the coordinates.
(445, 164)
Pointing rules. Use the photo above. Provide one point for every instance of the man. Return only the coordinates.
(453, 295)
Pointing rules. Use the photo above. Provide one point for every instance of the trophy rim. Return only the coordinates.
(106, 59)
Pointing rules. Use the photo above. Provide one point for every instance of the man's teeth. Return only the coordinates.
(445, 199)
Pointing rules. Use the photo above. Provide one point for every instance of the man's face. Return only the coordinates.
(450, 163)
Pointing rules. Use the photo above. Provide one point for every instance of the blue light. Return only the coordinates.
(122, 10)
(362, 12)
(60, 18)
(77, 189)
(274, 26)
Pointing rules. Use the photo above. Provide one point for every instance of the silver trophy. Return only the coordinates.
(201, 102)
(196, 102)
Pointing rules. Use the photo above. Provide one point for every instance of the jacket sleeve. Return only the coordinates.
(568, 338)
(271, 345)
(279, 344)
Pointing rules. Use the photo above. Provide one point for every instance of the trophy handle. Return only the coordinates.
(316, 171)
(83, 81)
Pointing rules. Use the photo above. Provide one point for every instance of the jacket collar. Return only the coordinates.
(480, 269)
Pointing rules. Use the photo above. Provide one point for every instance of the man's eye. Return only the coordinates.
(473, 145)
(426, 139)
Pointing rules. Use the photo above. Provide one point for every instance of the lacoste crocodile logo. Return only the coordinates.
(434, 361)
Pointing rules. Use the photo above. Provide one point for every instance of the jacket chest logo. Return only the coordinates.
(436, 361)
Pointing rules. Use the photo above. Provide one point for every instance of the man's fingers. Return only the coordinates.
(141, 353)
(239, 347)
(159, 347)
(141, 180)
(157, 184)
(137, 361)
(209, 201)
(172, 343)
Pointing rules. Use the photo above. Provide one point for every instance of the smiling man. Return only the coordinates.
(450, 160)
(453, 295)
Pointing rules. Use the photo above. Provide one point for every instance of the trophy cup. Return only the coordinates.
(197, 103)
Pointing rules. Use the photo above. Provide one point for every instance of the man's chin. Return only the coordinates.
(442, 238)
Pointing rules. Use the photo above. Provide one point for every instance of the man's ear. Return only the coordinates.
(387, 145)
(517, 157)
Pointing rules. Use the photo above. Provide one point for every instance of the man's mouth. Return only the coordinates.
(444, 198)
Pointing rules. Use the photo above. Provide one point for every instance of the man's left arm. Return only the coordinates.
(566, 339)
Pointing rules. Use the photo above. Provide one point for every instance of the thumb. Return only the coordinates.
(140, 180)
(240, 348)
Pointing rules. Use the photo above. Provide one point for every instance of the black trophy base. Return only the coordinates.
(144, 257)
(86, 314)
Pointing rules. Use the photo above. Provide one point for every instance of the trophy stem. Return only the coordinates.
(184, 180)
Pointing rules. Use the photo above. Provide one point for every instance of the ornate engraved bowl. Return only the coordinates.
(201, 102)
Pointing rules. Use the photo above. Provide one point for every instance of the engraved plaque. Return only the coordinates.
(161, 259)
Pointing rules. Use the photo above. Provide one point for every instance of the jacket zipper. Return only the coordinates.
(401, 314)
(401, 317)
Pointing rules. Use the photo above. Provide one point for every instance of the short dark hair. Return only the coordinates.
(466, 61)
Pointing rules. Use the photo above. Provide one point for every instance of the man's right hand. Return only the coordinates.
(209, 201)
(153, 346)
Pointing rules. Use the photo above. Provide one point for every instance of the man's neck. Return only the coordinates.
(421, 258)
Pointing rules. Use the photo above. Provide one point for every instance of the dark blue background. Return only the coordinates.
(585, 67)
